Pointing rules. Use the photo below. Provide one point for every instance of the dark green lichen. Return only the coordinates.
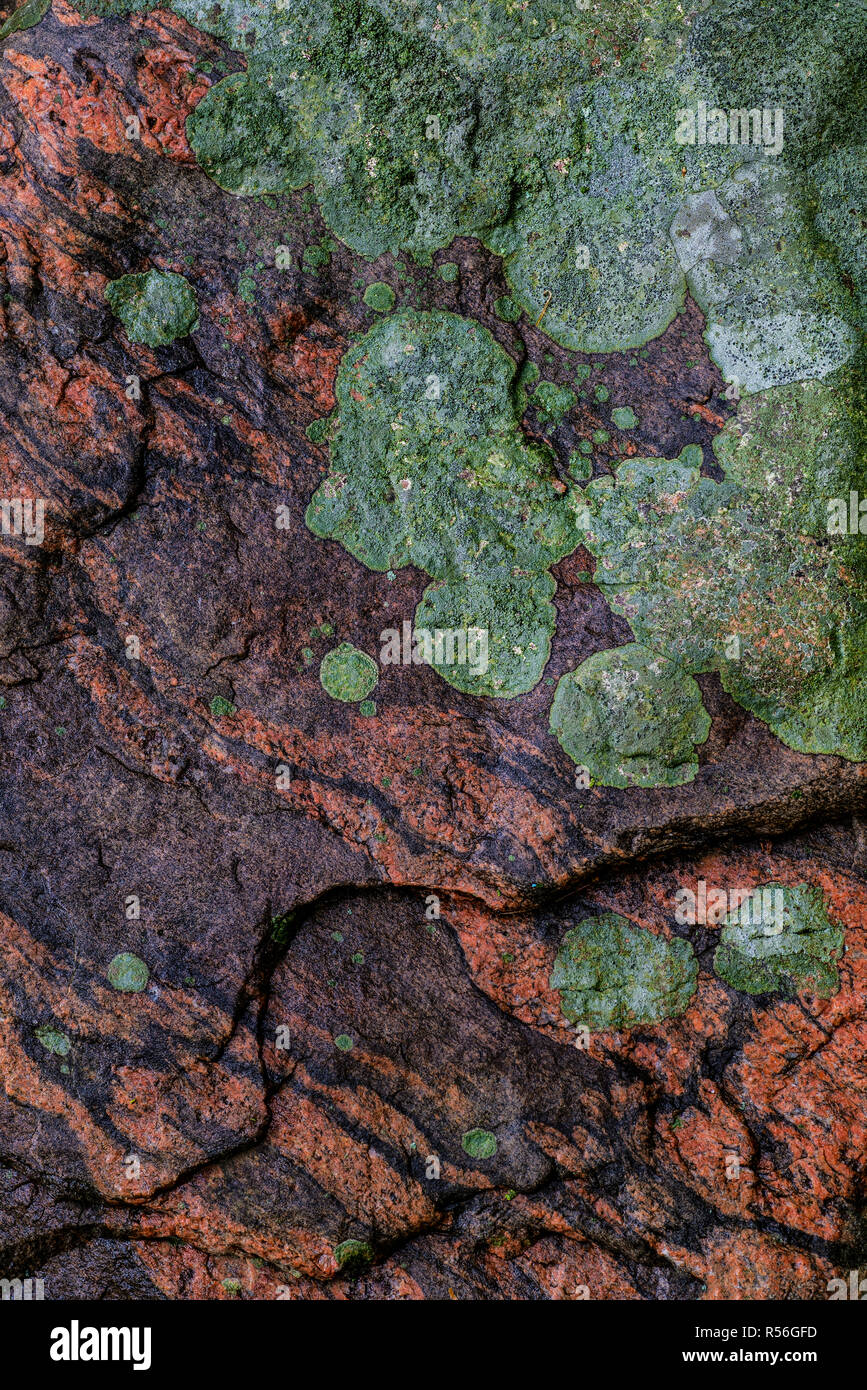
(222, 708)
(552, 402)
(612, 974)
(155, 308)
(53, 1041)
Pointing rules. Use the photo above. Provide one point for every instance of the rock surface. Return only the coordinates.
(279, 1012)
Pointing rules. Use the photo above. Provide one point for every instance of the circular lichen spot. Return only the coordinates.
(380, 297)
(155, 308)
(348, 674)
(351, 1254)
(448, 271)
(780, 939)
(612, 974)
(632, 717)
(53, 1041)
(343, 1042)
(479, 1143)
(624, 417)
(128, 973)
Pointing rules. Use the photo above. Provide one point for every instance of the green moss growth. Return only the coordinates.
(128, 973)
(380, 297)
(632, 718)
(353, 1254)
(347, 673)
(479, 1143)
(155, 308)
(612, 974)
(796, 953)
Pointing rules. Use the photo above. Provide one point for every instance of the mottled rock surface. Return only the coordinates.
(280, 1014)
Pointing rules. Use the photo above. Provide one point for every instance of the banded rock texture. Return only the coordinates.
(206, 1136)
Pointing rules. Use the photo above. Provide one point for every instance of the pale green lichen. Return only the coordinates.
(794, 951)
(717, 577)
(347, 673)
(612, 974)
(632, 718)
(155, 308)
(128, 973)
(429, 467)
(53, 1041)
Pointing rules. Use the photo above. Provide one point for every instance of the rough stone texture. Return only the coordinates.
(208, 1136)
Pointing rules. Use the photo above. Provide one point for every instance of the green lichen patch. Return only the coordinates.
(794, 951)
(776, 307)
(718, 576)
(429, 467)
(612, 974)
(632, 718)
(128, 973)
(479, 1143)
(353, 1254)
(53, 1041)
(448, 271)
(343, 1042)
(624, 417)
(380, 297)
(347, 673)
(155, 308)
(222, 708)
(506, 309)
(556, 134)
(552, 402)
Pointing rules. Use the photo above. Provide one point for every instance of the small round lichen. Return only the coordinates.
(343, 1042)
(448, 271)
(479, 1143)
(350, 1253)
(624, 417)
(348, 674)
(155, 308)
(53, 1041)
(128, 973)
(380, 297)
